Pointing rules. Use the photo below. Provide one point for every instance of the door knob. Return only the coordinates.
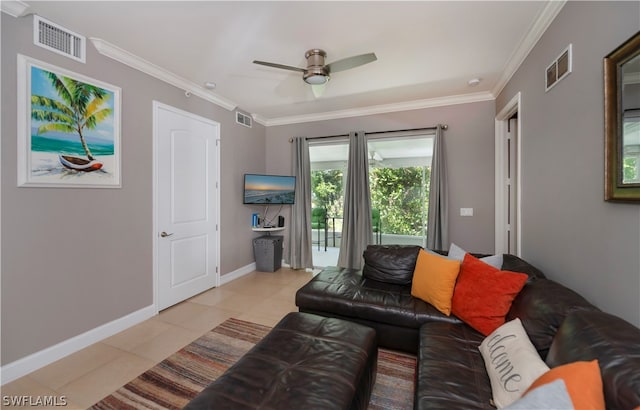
(163, 234)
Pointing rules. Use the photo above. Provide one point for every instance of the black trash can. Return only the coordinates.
(267, 251)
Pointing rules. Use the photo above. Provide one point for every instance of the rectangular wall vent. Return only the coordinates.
(58, 39)
(243, 119)
(559, 68)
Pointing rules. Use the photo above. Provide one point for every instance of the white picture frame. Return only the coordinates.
(68, 128)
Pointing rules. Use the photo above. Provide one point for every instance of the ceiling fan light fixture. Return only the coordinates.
(316, 75)
(316, 79)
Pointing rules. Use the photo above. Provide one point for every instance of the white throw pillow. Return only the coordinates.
(457, 253)
(512, 362)
(550, 396)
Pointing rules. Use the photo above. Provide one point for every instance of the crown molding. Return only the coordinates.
(379, 109)
(116, 53)
(541, 24)
(259, 119)
(15, 8)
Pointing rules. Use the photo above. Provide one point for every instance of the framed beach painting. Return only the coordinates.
(68, 128)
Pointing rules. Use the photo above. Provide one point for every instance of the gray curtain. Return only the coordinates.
(438, 220)
(299, 249)
(356, 228)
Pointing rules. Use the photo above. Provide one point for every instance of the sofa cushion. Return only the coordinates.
(450, 370)
(582, 380)
(390, 263)
(434, 279)
(483, 294)
(542, 305)
(512, 362)
(346, 293)
(587, 335)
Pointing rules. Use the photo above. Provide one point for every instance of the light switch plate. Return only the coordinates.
(466, 211)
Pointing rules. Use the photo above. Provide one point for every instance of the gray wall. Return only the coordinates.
(55, 287)
(469, 145)
(568, 230)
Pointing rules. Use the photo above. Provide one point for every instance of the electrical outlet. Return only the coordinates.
(466, 211)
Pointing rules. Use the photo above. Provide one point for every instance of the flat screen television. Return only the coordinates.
(269, 189)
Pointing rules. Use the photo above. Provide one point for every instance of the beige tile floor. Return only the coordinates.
(87, 376)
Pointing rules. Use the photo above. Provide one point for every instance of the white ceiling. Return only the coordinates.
(427, 50)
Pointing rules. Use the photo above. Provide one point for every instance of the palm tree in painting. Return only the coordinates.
(81, 106)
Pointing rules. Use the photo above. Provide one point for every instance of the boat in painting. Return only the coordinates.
(79, 164)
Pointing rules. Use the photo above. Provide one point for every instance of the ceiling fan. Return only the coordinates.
(375, 159)
(317, 72)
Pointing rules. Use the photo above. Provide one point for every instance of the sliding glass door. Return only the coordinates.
(399, 171)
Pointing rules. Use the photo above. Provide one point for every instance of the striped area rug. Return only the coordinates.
(172, 383)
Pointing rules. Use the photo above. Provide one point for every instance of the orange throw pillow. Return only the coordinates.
(483, 294)
(583, 381)
(434, 278)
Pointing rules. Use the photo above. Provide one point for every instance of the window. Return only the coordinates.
(328, 168)
(399, 172)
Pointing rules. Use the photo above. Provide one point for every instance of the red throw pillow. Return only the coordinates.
(483, 294)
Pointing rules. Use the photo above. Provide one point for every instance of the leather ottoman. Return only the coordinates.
(305, 362)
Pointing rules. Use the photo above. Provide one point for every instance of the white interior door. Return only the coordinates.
(511, 188)
(186, 169)
(508, 154)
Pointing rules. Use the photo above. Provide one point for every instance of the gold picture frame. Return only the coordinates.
(622, 122)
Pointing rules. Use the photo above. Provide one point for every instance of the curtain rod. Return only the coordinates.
(444, 127)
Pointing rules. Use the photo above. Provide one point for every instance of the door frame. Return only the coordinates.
(216, 213)
(501, 126)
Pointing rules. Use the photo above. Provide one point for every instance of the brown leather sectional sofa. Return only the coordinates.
(562, 325)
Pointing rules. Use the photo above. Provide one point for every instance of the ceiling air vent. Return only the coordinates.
(243, 119)
(58, 39)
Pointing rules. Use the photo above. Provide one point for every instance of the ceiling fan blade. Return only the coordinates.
(318, 89)
(351, 62)
(282, 66)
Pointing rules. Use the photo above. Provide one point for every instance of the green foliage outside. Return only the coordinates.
(401, 195)
(629, 170)
(327, 191)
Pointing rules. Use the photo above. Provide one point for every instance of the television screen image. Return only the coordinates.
(269, 189)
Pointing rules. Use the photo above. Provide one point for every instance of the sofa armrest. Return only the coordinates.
(588, 335)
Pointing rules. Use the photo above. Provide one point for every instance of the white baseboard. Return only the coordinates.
(35, 361)
(26, 365)
(238, 273)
